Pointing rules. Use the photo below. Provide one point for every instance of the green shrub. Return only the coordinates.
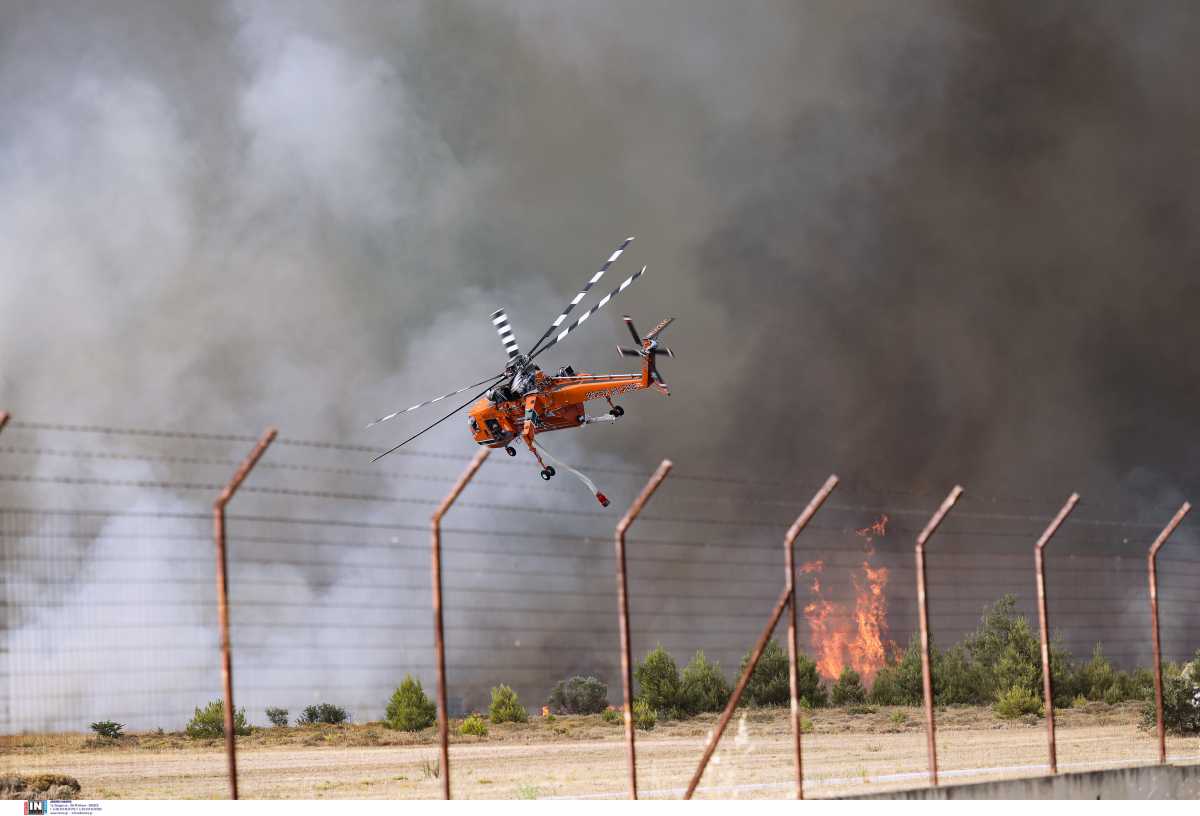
(1017, 702)
(703, 686)
(611, 715)
(1135, 685)
(409, 709)
(210, 721)
(578, 695)
(1096, 676)
(1181, 701)
(898, 718)
(809, 688)
(848, 690)
(659, 684)
(505, 706)
(958, 680)
(769, 683)
(108, 728)
(899, 681)
(278, 717)
(473, 725)
(644, 715)
(1078, 701)
(326, 713)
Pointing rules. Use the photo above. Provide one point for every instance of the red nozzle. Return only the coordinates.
(602, 499)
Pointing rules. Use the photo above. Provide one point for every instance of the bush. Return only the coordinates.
(409, 709)
(473, 725)
(611, 715)
(958, 680)
(210, 721)
(1096, 676)
(1181, 701)
(769, 683)
(659, 684)
(323, 713)
(578, 695)
(1017, 702)
(899, 682)
(278, 717)
(505, 706)
(1002, 653)
(38, 786)
(808, 683)
(704, 687)
(108, 728)
(644, 715)
(848, 690)
(1135, 685)
(1078, 701)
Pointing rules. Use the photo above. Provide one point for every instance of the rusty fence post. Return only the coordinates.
(789, 550)
(1158, 687)
(623, 615)
(1044, 622)
(923, 612)
(223, 599)
(439, 633)
(736, 697)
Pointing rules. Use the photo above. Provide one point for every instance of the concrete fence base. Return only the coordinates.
(1145, 782)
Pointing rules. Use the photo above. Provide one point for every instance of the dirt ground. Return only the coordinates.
(875, 750)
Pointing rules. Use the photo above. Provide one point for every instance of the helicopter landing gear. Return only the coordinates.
(547, 473)
(617, 411)
(510, 450)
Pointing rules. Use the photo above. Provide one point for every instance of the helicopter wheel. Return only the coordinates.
(510, 450)
(547, 473)
(617, 411)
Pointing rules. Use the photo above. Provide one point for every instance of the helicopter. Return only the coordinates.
(523, 401)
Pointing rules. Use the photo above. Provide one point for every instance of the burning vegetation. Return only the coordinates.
(857, 637)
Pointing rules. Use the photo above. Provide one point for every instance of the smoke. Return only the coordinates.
(929, 243)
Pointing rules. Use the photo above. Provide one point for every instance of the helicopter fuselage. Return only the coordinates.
(557, 402)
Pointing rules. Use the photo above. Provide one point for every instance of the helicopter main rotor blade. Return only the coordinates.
(489, 381)
(637, 338)
(500, 321)
(582, 293)
(431, 427)
(625, 284)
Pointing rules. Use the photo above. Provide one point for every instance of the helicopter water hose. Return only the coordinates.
(588, 483)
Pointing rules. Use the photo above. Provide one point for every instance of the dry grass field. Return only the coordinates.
(584, 756)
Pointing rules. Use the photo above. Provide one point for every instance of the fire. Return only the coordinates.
(843, 637)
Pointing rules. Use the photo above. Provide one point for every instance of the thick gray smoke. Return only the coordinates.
(940, 240)
(927, 242)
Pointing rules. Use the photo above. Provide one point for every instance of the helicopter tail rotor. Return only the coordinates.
(649, 349)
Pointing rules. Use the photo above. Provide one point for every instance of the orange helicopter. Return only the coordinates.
(523, 401)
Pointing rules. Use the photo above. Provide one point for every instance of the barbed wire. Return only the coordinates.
(526, 508)
(858, 481)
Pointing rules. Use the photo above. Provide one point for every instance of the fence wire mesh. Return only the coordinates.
(109, 610)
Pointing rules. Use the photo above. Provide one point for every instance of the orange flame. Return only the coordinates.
(841, 637)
